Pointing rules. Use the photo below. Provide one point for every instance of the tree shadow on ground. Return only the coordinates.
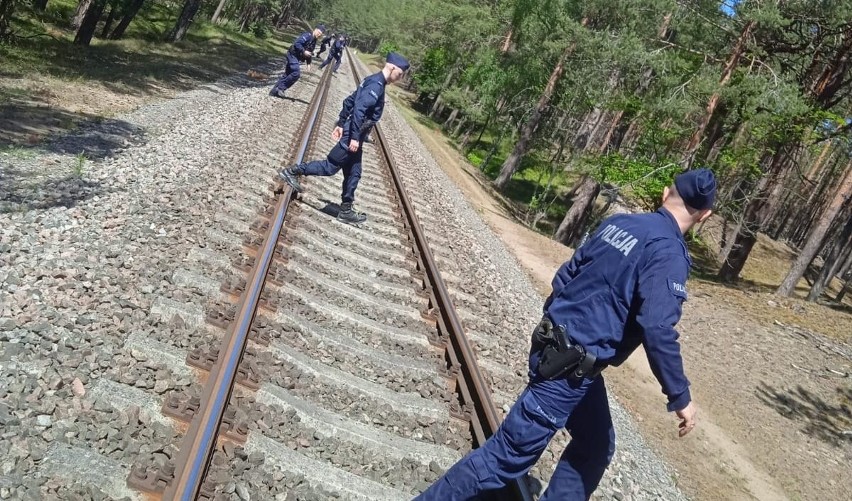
(20, 190)
(829, 422)
(146, 68)
(27, 123)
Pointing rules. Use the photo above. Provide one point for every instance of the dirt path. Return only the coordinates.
(767, 431)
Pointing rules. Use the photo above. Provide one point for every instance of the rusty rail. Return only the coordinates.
(473, 389)
(199, 443)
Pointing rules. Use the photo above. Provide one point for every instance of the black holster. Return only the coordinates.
(558, 356)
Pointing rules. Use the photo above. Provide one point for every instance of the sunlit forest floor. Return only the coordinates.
(49, 85)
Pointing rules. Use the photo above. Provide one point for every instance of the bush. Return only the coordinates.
(260, 29)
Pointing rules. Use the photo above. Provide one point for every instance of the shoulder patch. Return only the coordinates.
(677, 289)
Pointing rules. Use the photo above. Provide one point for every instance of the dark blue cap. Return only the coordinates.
(697, 188)
(398, 61)
(321, 27)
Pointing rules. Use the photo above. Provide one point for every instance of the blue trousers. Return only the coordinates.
(543, 408)
(339, 158)
(336, 57)
(292, 72)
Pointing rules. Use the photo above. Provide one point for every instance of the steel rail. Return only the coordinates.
(199, 443)
(472, 385)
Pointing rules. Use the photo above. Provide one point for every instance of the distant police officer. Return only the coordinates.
(324, 44)
(335, 53)
(623, 288)
(302, 50)
(361, 111)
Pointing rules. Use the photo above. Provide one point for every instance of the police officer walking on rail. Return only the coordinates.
(302, 50)
(361, 111)
(622, 288)
(335, 53)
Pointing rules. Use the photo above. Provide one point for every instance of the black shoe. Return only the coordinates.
(288, 176)
(348, 215)
(277, 93)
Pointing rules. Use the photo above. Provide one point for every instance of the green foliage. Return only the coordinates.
(260, 29)
(432, 70)
(387, 47)
(640, 179)
(79, 164)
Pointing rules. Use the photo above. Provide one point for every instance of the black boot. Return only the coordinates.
(349, 215)
(289, 176)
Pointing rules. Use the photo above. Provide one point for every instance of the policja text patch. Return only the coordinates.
(618, 238)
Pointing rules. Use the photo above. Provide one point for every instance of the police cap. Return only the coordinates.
(398, 61)
(697, 188)
(321, 27)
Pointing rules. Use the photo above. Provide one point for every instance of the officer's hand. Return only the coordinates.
(354, 145)
(687, 419)
(308, 53)
(337, 133)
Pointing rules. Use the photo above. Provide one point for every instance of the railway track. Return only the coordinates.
(296, 357)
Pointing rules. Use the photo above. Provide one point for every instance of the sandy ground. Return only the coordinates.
(774, 398)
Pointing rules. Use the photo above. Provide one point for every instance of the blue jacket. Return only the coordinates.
(302, 43)
(623, 287)
(362, 109)
(337, 48)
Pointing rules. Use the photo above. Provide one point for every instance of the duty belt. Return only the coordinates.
(559, 356)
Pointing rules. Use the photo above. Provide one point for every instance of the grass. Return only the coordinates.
(79, 164)
(48, 84)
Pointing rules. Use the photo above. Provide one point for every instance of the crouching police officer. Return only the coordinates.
(623, 287)
(361, 111)
(335, 53)
(302, 50)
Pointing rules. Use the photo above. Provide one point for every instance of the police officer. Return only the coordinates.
(623, 288)
(302, 50)
(361, 111)
(325, 41)
(335, 53)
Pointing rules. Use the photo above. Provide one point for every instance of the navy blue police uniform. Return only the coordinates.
(324, 44)
(624, 287)
(295, 56)
(361, 111)
(335, 53)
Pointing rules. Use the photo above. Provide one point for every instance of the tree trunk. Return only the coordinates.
(218, 11)
(80, 13)
(730, 66)
(847, 280)
(458, 128)
(90, 22)
(452, 118)
(583, 136)
(437, 104)
(40, 5)
(187, 14)
(833, 261)
(246, 17)
(7, 8)
(132, 9)
(109, 19)
(817, 236)
(753, 216)
(513, 161)
(571, 228)
(507, 41)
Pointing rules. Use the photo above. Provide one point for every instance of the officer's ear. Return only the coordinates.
(704, 215)
(666, 192)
